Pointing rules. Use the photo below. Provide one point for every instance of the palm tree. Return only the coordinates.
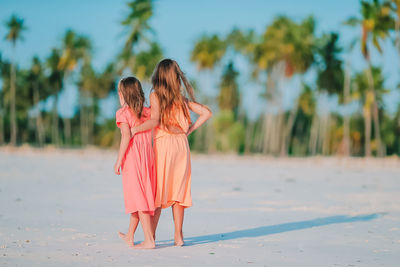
(228, 97)
(1, 103)
(35, 79)
(138, 29)
(375, 24)
(285, 49)
(330, 79)
(55, 79)
(207, 53)
(146, 61)
(242, 41)
(363, 93)
(396, 9)
(106, 81)
(94, 86)
(230, 131)
(15, 28)
(75, 48)
(299, 62)
(307, 106)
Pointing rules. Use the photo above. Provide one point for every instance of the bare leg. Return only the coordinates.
(178, 213)
(145, 221)
(134, 221)
(154, 221)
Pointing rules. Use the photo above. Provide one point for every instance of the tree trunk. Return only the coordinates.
(39, 122)
(13, 118)
(375, 111)
(82, 120)
(287, 131)
(267, 132)
(288, 128)
(279, 126)
(326, 134)
(2, 109)
(313, 139)
(397, 29)
(377, 129)
(367, 129)
(249, 136)
(346, 121)
(321, 134)
(54, 132)
(210, 136)
(258, 135)
(67, 131)
(92, 120)
(346, 136)
(274, 122)
(199, 139)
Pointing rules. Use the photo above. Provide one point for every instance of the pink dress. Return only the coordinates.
(138, 167)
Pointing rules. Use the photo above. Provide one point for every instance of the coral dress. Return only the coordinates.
(173, 164)
(138, 165)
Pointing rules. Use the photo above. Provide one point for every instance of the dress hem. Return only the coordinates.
(151, 212)
(170, 203)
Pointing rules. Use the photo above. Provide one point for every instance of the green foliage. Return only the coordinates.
(286, 42)
(106, 134)
(330, 77)
(376, 21)
(242, 41)
(137, 21)
(229, 133)
(208, 51)
(146, 61)
(307, 101)
(361, 86)
(228, 98)
(15, 26)
(138, 29)
(75, 47)
(56, 76)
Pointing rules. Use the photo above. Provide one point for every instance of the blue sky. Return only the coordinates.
(177, 24)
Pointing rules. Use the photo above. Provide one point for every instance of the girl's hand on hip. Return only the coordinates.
(189, 131)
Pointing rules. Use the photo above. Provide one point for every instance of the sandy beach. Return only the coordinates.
(64, 208)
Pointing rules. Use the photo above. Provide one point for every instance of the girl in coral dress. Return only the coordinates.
(136, 161)
(170, 116)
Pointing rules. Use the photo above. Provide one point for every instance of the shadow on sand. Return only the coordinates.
(275, 229)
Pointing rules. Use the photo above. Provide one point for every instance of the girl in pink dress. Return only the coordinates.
(136, 162)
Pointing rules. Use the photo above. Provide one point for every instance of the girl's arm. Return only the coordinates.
(125, 138)
(204, 114)
(154, 117)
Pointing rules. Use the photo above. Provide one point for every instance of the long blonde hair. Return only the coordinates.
(167, 82)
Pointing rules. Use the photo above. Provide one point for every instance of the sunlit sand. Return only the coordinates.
(65, 207)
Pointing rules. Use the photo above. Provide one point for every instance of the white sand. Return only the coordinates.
(64, 208)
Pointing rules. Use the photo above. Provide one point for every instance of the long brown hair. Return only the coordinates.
(132, 93)
(167, 82)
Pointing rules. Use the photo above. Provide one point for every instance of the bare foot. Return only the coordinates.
(126, 239)
(145, 245)
(179, 240)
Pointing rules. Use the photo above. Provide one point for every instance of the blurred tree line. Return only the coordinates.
(281, 55)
